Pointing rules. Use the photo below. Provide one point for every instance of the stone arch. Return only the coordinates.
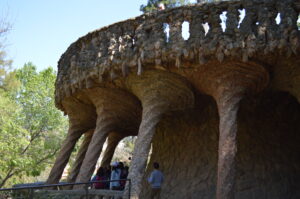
(117, 111)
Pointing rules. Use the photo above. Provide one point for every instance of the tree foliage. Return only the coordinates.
(152, 5)
(124, 150)
(31, 128)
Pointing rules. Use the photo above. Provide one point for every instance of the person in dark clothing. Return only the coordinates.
(100, 176)
(124, 174)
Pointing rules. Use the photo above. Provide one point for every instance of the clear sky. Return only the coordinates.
(43, 29)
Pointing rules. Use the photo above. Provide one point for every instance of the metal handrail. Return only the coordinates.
(69, 184)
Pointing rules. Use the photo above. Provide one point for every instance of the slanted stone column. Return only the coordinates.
(228, 106)
(105, 124)
(81, 119)
(229, 83)
(160, 92)
(113, 140)
(80, 156)
(117, 111)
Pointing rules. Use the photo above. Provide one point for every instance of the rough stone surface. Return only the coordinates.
(186, 146)
(80, 156)
(133, 45)
(118, 111)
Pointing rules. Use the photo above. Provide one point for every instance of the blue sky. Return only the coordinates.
(43, 29)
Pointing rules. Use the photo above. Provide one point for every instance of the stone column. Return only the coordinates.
(64, 155)
(104, 126)
(229, 83)
(117, 111)
(151, 116)
(81, 119)
(160, 92)
(80, 156)
(228, 106)
(113, 140)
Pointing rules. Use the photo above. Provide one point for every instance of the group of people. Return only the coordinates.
(113, 177)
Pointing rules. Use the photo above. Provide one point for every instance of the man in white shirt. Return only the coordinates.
(156, 179)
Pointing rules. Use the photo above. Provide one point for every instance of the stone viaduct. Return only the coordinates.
(220, 109)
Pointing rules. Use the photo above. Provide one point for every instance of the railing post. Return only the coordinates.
(30, 193)
(129, 190)
(86, 191)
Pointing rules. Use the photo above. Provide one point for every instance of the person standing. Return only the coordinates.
(100, 178)
(115, 177)
(156, 179)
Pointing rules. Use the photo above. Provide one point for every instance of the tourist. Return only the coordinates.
(107, 175)
(115, 177)
(124, 175)
(100, 176)
(156, 179)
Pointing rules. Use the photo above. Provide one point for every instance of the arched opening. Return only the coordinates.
(124, 150)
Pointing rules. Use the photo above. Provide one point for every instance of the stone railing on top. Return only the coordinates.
(130, 45)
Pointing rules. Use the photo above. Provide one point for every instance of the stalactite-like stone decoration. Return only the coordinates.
(107, 51)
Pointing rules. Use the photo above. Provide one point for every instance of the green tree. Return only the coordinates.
(7, 78)
(31, 128)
